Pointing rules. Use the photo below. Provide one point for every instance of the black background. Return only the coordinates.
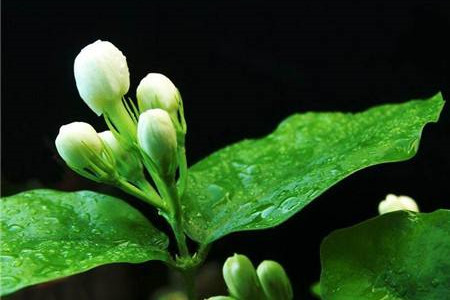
(241, 66)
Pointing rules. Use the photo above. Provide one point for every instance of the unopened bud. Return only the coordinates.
(157, 138)
(126, 160)
(394, 203)
(157, 91)
(241, 279)
(78, 144)
(101, 75)
(274, 281)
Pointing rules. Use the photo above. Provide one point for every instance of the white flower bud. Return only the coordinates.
(394, 203)
(157, 138)
(101, 75)
(127, 162)
(78, 144)
(157, 91)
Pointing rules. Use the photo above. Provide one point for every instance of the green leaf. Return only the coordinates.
(400, 255)
(256, 184)
(47, 234)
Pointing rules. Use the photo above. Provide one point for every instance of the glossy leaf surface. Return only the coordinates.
(256, 184)
(47, 234)
(400, 255)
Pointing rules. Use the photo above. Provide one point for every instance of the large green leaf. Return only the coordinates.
(397, 256)
(47, 234)
(257, 184)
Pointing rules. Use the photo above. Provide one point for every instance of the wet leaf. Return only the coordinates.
(400, 255)
(47, 234)
(256, 184)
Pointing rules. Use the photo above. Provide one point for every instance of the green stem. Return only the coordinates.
(202, 252)
(167, 188)
(183, 170)
(148, 189)
(180, 238)
(122, 121)
(183, 120)
(187, 270)
(131, 189)
(177, 225)
(189, 282)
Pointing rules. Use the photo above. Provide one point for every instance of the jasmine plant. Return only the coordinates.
(253, 184)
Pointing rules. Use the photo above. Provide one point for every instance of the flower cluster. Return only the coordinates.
(149, 136)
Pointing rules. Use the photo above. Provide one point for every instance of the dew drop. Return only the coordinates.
(216, 192)
(267, 212)
(7, 259)
(15, 227)
(10, 281)
(288, 204)
(124, 244)
(435, 282)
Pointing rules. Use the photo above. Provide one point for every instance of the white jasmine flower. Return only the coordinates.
(393, 203)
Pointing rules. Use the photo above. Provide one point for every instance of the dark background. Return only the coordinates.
(241, 66)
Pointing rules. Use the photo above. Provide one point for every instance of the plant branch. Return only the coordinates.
(183, 168)
(189, 281)
(177, 225)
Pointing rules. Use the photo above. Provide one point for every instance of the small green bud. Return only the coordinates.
(274, 281)
(241, 279)
(79, 145)
(393, 203)
(127, 162)
(102, 76)
(173, 295)
(315, 290)
(157, 91)
(221, 298)
(157, 138)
